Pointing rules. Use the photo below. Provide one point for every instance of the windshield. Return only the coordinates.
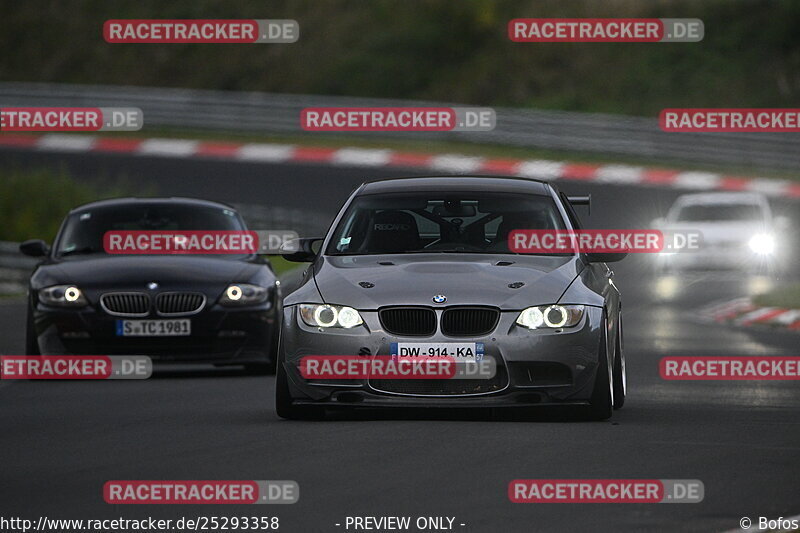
(720, 213)
(83, 231)
(455, 222)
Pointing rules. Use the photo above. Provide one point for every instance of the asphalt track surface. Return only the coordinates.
(61, 441)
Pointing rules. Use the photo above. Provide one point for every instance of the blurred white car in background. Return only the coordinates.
(739, 233)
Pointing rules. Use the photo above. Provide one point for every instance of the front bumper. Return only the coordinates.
(219, 335)
(548, 366)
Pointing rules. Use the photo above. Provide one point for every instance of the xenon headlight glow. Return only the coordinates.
(762, 243)
(330, 316)
(550, 316)
(243, 294)
(63, 296)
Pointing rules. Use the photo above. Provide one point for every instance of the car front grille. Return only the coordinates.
(455, 321)
(179, 303)
(125, 303)
(412, 321)
(443, 387)
(469, 321)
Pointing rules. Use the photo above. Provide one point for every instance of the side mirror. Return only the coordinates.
(34, 248)
(657, 223)
(606, 258)
(301, 250)
(581, 200)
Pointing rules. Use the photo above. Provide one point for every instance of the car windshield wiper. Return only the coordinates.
(80, 251)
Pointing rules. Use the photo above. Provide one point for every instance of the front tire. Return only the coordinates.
(31, 338)
(284, 405)
(601, 404)
(620, 374)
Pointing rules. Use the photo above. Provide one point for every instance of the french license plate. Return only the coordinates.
(154, 328)
(462, 352)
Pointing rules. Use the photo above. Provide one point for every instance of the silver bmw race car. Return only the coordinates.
(423, 266)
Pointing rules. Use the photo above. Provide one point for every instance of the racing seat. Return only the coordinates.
(392, 232)
(518, 220)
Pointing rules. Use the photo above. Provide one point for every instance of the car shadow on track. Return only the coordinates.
(564, 414)
(199, 371)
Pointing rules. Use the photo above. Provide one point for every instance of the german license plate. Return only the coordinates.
(462, 352)
(154, 328)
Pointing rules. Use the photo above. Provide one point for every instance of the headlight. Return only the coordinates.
(762, 243)
(330, 316)
(550, 316)
(243, 294)
(63, 296)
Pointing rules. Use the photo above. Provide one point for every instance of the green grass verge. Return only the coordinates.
(282, 266)
(34, 202)
(786, 297)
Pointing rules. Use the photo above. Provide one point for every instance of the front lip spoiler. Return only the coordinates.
(364, 399)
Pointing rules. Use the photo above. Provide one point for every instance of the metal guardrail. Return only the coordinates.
(279, 114)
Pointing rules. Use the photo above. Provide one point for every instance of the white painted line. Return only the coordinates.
(362, 157)
(455, 163)
(620, 174)
(540, 169)
(697, 180)
(265, 152)
(61, 142)
(168, 147)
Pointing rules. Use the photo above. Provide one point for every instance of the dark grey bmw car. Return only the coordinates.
(425, 262)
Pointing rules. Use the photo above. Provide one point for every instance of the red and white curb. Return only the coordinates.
(374, 158)
(742, 312)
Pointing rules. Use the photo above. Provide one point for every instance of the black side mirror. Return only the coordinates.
(34, 248)
(581, 200)
(301, 250)
(605, 258)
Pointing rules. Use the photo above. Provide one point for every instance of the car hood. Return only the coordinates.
(466, 279)
(135, 272)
